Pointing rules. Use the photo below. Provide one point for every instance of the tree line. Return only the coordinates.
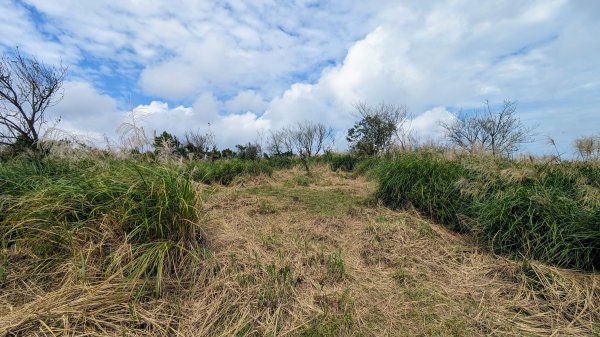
(29, 87)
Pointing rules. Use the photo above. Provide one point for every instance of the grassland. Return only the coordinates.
(105, 247)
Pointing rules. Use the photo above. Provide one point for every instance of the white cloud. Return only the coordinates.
(427, 125)
(229, 130)
(84, 110)
(184, 48)
(230, 61)
(247, 100)
(454, 57)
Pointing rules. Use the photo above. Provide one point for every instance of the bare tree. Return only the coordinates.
(465, 132)
(500, 132)
(503, 130)
(27, 88)
(588, 148)
(310, 139)
(378, 127)
(198, 145)
(288, 140)
(276, 142)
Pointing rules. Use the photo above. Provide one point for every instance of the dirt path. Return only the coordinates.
(316, 256)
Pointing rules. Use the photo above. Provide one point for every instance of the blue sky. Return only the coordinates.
(247, 67)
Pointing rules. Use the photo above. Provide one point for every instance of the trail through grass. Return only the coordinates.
(316, 256)
(288, 254)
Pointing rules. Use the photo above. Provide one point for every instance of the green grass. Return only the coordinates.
(324, 202)
(224, 171)
(548, 212)
(136, 219)
(344, 162)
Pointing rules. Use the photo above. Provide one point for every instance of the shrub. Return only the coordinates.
(345, 162)
(428, 183)
(140, 217)
(224, 171)
(546, 212)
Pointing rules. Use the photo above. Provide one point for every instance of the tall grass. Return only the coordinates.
(224, 171)
(344, 162)
(113, 216)
(548, 212)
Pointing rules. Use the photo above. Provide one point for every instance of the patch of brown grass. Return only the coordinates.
(401, 274)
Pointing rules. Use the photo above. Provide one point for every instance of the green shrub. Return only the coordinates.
(281, 162)
(344, 162)
(54, 208)
(224, 171)
(546, 212)
(428, 183)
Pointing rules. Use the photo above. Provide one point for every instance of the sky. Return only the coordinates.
(243, 68)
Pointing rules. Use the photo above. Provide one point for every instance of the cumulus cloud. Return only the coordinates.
(247, 100)
(86, 111)
(254, 65)
(183, 48)
(427, 125)
(455, 57)
(228, 130)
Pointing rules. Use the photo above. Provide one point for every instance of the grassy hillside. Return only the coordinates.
(543, 211)
(130, 248)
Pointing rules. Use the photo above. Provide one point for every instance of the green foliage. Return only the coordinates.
(545, 212)
(336, 268)
(167, 138)
(344, 162)
(250, 151)
(374, 131)
(426, 182)
(49, 207)
(224, 171)
(282, 162)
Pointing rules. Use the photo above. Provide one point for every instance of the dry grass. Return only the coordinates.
(297, 255)
(357, 269)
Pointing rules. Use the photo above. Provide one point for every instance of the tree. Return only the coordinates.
(377, 128)
(27, 88)
(227, 154)
(499, 132)
(167, 145)
(465, 132)
(502, 130)
(280, 143)
(198, 145)
(250, 151)
(309, 139)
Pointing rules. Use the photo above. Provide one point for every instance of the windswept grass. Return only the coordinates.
(85, 222)
(548, 212)
(102, 247)
(224, 171)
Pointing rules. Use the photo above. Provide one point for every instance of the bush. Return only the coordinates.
(430, 184)
(344, 162)
(140, 218)
(544, 212)
(224, 171)
(282, 162)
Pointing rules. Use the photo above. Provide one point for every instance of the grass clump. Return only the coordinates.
(85, 224)
(344, 162)
(224, 171)
(336, 320)
(547, 212)
(428, 183)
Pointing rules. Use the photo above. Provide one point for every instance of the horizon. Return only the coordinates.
(253, 67)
